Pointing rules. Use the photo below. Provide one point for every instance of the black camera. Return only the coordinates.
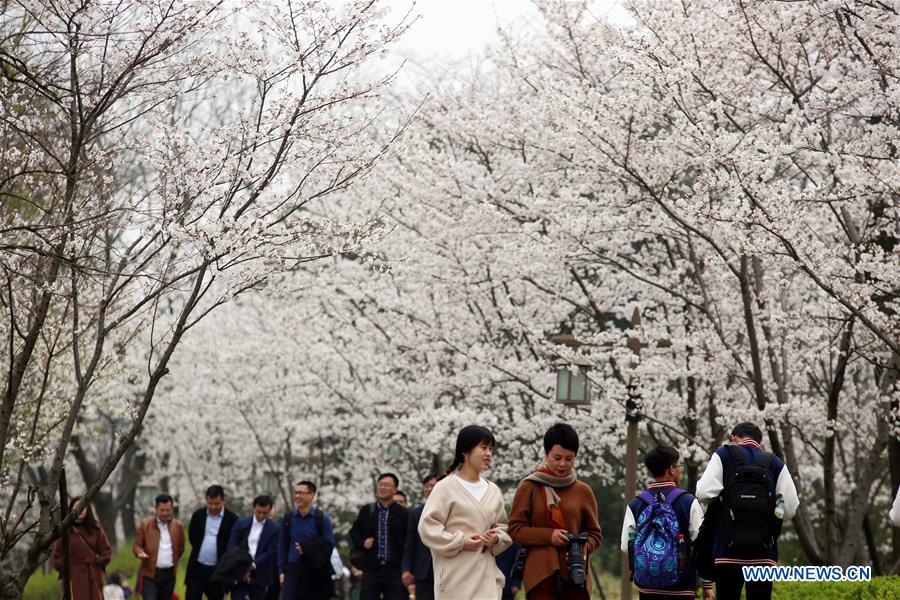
(577, 571)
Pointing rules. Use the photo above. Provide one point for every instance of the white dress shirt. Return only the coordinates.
(256, 530)
(164, 558)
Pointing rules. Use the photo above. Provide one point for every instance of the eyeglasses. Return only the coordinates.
(299, 493)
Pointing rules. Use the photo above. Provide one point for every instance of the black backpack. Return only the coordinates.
(748, 505)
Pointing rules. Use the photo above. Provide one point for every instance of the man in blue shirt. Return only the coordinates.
(209, 531)
(304, 548)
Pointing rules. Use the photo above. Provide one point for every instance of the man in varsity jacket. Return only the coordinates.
(728, 567)
(664, 464)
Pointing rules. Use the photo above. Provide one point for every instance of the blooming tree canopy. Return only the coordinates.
(156, 162)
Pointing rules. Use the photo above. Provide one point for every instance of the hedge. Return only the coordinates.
(880, 588)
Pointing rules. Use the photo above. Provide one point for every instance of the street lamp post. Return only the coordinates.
(633, 419)
(575, 388)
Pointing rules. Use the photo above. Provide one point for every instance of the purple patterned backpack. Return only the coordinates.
(656, 542)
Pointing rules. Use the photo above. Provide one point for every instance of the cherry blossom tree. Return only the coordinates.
(157, 160)
(725, 168)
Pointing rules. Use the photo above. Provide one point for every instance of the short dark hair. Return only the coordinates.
(401, 493)
(114, 579)
(163, 499)
(309, 485)
(748, 430)
(263, 500)
(215, 491)
(392, 476)
(562, 434)
(660, 459)
(429, 477)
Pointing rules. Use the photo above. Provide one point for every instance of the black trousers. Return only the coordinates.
(160, 586)
(425, 589)
(383, 582)
(248, 591)
(197, 584)
(274, 590)
(302, 583)
(730, 580)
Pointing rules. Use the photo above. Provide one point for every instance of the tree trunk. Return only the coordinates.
(106, 513)
(103, 502)
(131, 473)
(10, 587)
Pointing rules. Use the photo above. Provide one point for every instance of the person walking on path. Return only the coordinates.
(550, 505)
(748, 532)
(261, 537)
(89, 553)
(305, 546)
(464, 523)
(664, 464)
(506, 562)
(159, 543)
(379, 533)
(418, 573)
(209, 531)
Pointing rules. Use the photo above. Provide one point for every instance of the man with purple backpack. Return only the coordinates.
(660, 524)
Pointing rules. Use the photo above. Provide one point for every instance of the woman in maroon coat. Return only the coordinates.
(89, 552)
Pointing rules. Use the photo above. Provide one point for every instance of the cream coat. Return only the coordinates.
(451, 514)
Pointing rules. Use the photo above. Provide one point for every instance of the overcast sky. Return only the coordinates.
(452, 31)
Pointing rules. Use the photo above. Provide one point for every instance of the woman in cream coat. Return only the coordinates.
(464, 523)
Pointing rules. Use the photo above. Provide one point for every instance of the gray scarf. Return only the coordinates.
(551, 483)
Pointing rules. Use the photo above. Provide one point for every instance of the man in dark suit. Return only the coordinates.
(416, 565)
(209, 531)
(380, 532)
(261, 536)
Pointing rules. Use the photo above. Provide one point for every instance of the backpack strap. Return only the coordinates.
(765, 460)
(647, 497)
(320, 523)
(373, 520)
(737, 455)
(674, 495)
(534, 485)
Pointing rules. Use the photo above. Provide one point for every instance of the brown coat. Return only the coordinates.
(147, 539)
(89, 552)
(579, 508)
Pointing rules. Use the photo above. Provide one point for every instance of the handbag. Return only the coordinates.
(518, 570)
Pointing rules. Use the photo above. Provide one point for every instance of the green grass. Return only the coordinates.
(46, 586)
(880, 588)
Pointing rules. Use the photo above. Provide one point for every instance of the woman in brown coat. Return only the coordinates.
(89, 553)
(550, 504)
